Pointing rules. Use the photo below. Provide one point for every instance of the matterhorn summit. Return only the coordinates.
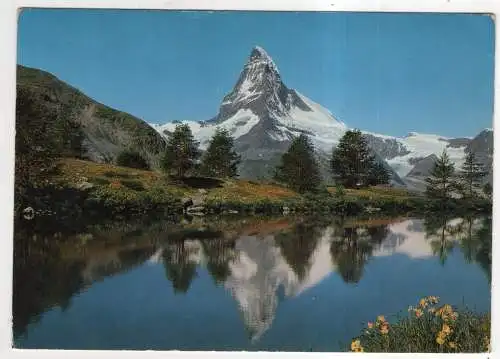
(263, 115)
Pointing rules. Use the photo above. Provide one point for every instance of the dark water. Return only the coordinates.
(254, 284)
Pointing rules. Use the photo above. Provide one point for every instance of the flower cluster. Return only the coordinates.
(443, 334)
(429, 325)
(444, 312)
(356, 346)
(115, 184)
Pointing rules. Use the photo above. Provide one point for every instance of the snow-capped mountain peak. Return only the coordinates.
(264, 115)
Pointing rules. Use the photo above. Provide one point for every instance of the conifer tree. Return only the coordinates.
(181, 152)
(352, 162)
(299, 168)
(441, 182)
(471, 174)
(220, 159)
(488, 190)
(378, 174)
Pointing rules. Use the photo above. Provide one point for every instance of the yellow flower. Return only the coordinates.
(384, 329)
(422, 303)
(446, 329)
(487, 343)
(452, 345)
(446, 312)
(380, 319)
(356, 346)
(440, 338)
(432, 299)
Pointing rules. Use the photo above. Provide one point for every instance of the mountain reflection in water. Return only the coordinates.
(260, 262)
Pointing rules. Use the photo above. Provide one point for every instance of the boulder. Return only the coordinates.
(84, 185)
(196, 211)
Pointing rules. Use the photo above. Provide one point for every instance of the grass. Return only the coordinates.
(129, 191)
(429, 328)
(376, 192)
(73, 172)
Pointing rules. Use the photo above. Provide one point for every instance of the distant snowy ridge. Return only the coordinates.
(263, 116)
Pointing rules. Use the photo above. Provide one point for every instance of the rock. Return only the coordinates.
(84, 185)
(29, 213)
(196, 211)
(372, 209)
(186, 203)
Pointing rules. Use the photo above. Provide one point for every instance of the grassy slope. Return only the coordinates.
(107, 131)
(75, 171)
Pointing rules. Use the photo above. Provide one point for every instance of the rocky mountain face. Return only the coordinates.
(481, 145)
(105, 132)
(264, 115)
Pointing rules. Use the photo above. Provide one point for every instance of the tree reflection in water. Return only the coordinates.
(352, 246)
(50, 268)
(472, 234)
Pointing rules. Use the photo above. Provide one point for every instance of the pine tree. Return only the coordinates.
(181, 152)
(488, 190)
(352, 162)
(299, 168)
(378, 175)
(220, 159)
(440, 183)
(471, 174)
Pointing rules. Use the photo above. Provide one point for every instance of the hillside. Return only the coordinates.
(101, 132)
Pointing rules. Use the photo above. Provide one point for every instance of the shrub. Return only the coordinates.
(132, 159)
(132, 184)
(427, 328)
(339, 190)
(101, 181)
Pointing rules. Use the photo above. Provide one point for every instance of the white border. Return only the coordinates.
(8, 40)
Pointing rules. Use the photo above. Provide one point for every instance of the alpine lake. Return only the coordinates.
(252, 284)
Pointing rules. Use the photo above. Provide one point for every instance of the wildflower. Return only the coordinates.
(380, 319)
(356, 346)
(487, 343)
(418, 312)
(423, 302)
(433, 299)
(384, 329)
(432, 310)
(410, 308)
(370, 325)
(452, 345)
(446, 329)
(446, 312)
(440, 338)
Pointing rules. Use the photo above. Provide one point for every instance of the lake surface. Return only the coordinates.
(253, 284)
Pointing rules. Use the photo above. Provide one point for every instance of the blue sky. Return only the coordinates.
(386, 73)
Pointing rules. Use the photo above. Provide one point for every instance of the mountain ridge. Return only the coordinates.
(264, 115)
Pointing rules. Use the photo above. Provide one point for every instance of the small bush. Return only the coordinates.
(429, 328)
(132, 184)
(101, 181)
(132, 159)
(111, 174)
(339, 191)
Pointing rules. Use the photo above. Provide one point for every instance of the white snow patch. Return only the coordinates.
(238, 125)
